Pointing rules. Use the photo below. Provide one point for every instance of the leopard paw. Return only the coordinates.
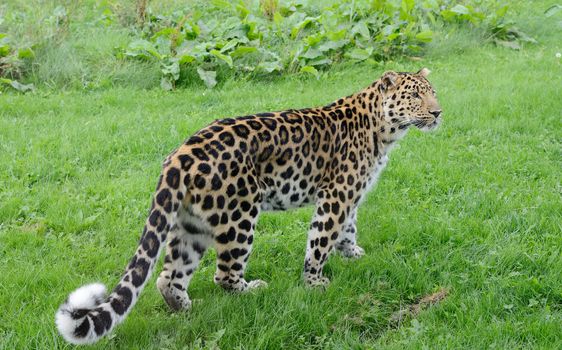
(316, 281)
(256, 284)
(176, 299)
(353, 252)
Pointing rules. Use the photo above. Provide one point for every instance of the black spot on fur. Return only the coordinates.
(82, 330)
(225, 256)
(186, 161)
(200, 154)
(222, 238)
(207, 202)
(199, 181)
(164, 199)
(317, 254)
(204, 168)
(173, 178)
(150, 244)
(227, 138)
(102, 322)
(220, 202)
(245, 225)
(139, 272)
(216, 183)
(270, 123)
(197, 247)
(241, 130)
(122, 301)
(231, 234)
(214, 220)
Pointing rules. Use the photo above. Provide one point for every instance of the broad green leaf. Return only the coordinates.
(243, 11)
(223, 4)
(332, 45)
(164, 46)
(185, 58)
(425, 36)
(393, 36)
(167, 32)
(142, 48)
(509, 44)
(337, 35)
(4, 45)
(406, 8)
(500, 13)
(270, 66)
(229, 45)
(552, 10)
(4, 50)
(362, 29)
(314, 39)
(25, 53)
(209, 77)
(59, 12)
(171, 68)
(408, 5)
(460, 9)
(311, 53)
(242, 50)
(310, 70)
(448, 15)
(227, 59)
(22, 87)
(359, 54)
(305, 23)
(277, 19)
(17, 85)
(166, 84)
(320, 61)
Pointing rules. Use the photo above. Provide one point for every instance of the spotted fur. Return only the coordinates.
(214, 186)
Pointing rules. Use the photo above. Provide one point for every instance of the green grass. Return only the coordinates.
(474, 207)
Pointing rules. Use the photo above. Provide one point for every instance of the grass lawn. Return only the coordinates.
(475, 208)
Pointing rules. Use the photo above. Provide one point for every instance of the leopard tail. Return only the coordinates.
(88, 314)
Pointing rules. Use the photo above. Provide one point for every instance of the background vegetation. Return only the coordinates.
(49, 43)
(474, 208)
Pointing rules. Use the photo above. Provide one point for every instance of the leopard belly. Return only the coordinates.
(275, 199)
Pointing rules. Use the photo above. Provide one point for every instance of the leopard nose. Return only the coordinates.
(436, 114)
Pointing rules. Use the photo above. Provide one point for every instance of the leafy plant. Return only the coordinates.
(297, 37)
(13, 63)
(209, 40)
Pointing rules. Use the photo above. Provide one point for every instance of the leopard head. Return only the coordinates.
(409, 99)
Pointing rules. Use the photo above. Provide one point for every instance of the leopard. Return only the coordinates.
(214, 186)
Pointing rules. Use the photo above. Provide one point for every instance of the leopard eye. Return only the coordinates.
(416, 95)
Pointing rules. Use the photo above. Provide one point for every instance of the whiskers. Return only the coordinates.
(404, 124)
(419, 123)
(422, 123)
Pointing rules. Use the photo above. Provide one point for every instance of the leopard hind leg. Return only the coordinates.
(187, 244)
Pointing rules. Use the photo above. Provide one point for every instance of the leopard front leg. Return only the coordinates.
(347, 243)
(325, 228)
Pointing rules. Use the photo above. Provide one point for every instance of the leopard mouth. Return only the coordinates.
(427, 125)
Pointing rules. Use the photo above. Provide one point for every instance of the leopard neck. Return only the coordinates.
(369, 102)
(388, 129)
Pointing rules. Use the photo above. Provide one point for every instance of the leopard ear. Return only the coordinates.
(388, 80)
(424, 72)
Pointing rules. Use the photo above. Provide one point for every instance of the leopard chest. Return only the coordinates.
(376, 167)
